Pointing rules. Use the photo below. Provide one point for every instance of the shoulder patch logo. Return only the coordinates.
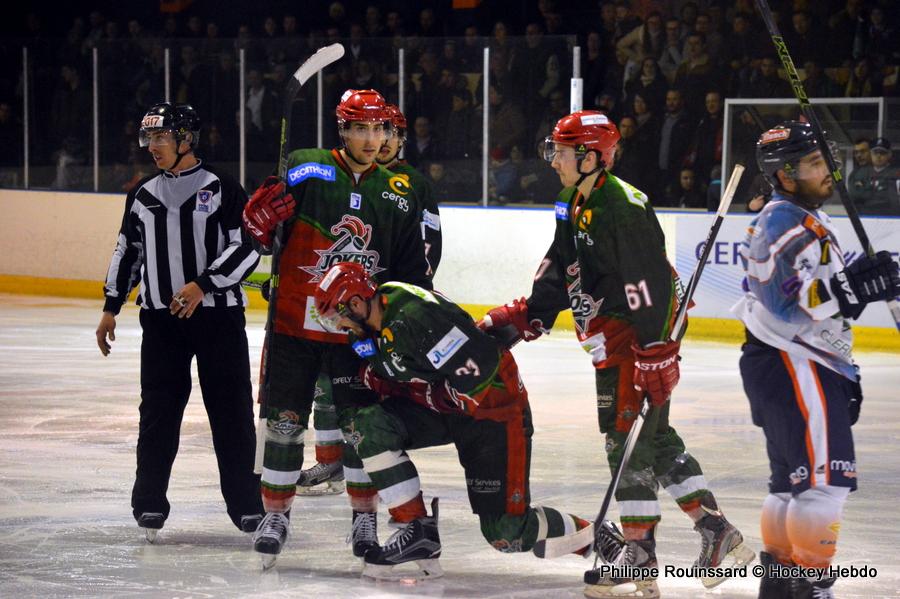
(364, 348)
(399, 184)
(444, 349)
(562, 210)
(584, 219)
(306, 170)
(203, 197)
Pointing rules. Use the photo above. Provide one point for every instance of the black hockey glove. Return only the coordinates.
(856, 398)
(868, 279)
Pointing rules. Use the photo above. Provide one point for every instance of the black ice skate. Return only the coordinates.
(812, 589)
(627, 575)
(250, 523)
(363, 533)
(772, 587)
(151, 522)
(722, 545)
(321, 479)
(270, 537)
(418, 541)
(609, 542)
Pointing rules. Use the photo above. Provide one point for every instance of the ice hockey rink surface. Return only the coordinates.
(68, 428)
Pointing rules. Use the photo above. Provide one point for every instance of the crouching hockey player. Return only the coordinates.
(608, 264)
(442, 381)
(796, 365)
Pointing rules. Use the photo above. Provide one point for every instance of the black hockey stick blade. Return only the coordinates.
(813, 120)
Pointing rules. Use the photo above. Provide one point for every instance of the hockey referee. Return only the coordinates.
(181, 239)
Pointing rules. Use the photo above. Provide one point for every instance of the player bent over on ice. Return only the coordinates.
(797, 364)
(608, 264)
(442, 381)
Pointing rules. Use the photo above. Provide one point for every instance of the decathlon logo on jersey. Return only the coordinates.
(203, 196)
(364, 349)
(444, 349)
(562, 210)
(310, 169)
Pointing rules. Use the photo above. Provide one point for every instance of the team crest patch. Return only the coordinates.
(584, 307)
(307, 170)
(351, 245)
(203, 198)
(288, 423)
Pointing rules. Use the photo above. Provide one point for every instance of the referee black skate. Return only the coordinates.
(181, 240)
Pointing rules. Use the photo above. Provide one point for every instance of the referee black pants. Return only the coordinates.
(217, 337)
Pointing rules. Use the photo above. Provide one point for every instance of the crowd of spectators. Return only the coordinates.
(661, 69)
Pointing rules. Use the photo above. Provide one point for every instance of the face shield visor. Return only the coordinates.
(365, 130)
(157, 136)
(549, 150)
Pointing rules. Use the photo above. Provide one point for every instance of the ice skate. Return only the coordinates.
(321, 479)
(626, 575)
(250, 523)
(609, 542)
(722, 545)
(270, 537)
(802, 588)
(151, 522)
(418, 541)
(772, 587)
(363, 533)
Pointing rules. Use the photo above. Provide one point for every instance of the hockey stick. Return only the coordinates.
(559, 546)
(813, 120)
(312, 65)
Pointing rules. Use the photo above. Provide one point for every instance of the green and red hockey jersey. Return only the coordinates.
(608, 264)
(431, 216)
(372, 218)
(426, 338)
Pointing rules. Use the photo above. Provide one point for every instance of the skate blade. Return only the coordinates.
(645, 589)
(737, 557)
(268, 560)
(326, 488)
(428, 568)
(151, 534)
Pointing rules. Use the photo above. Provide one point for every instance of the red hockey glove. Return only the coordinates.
(510, 323)
(656, 370)
(379, 385)
(268, 206)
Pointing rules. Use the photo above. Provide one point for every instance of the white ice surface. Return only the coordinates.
(68, 427)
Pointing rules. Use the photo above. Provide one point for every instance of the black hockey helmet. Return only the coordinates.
(781, 147)
(180, 119)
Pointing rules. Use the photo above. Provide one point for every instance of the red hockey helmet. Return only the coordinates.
(398, 121)
(362, 105)
(342, 282)
(584, 130)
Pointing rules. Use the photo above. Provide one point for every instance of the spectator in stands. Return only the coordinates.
(10, 138)
(437, 177)
(646, 40)
(714, 39)
(844, 33)
(649, 84)
(695, 73)
(688, 21)
(687, 193)
(879, 189)
(759, 193)
(470, 55)
(449, 60)
(424, 146)
(862, 157)
(71, 108)
(863, 82)
(461, 128)
(736, 54)
(626, 21)
(557, 109)
(817, 84)
(393, 24)
(765, 82)
(675, 138)
(528, 71)
(707, 145)
(803, 39)
(627, 164)
(593, 64)
(672, 54)
(507, 121)
(374, 27)
(503, 177)
(881, 39)
(647, 142)
(263, 118)
(194, 28)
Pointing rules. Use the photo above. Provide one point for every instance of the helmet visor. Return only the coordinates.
(331, 318)
(365, 130)
(155, 136)
(549, 150)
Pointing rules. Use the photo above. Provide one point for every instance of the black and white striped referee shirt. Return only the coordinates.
(179, 228)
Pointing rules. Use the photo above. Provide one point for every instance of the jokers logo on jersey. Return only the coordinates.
(310, 169)
(353, 238)
(584, 308)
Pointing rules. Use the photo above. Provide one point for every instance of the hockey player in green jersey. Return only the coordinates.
(327, 476)
(441, 381)
(337, 206)
(608, 264)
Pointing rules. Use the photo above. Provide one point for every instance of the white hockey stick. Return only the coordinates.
(312, 65)
(564, 545)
